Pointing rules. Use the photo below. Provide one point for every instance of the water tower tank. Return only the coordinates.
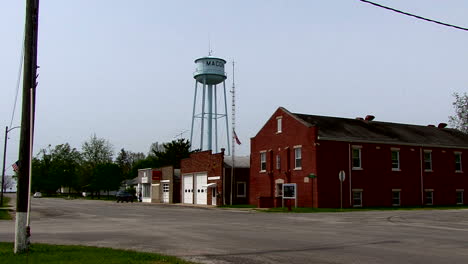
(210, 70)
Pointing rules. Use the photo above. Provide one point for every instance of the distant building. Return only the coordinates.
(384, 164)
(159, 185)
(206, 179)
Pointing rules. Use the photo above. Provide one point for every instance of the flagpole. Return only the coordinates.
(233, 126)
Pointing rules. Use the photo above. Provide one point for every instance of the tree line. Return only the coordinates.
(94, 169)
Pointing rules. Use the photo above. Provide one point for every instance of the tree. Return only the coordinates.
(97, 151)
(7, 183)
(107, 177)
(42, 178)
(65, 163)
(460, 119)
(126, 160)
(173, 152)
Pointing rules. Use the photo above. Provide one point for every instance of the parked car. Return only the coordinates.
(37, 195)
(123, 196)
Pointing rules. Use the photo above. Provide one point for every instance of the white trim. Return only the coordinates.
(211, 185)
(163, 181)
(214, 178)
(297, 146)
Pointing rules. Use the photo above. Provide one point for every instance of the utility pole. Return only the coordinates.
(22, 229)
(4, 160)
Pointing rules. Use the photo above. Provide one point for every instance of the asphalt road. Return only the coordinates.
(236, 236)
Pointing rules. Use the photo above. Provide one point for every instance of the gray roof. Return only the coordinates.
(344, 129)
(240, 161)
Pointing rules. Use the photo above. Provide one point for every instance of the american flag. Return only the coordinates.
(15, 166)
(236, 138)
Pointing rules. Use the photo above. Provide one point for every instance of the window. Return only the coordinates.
(166, 187)
(458, 162)
(262, 161)
(241, 189)
(429, 197)
(298, 158)
(279, 124)
(395, 160)
(146, 190)
(459, 196)
(278, 162)
(279, 190)
(427, 160)
(357, 198)
(356, 157)
(396, 198)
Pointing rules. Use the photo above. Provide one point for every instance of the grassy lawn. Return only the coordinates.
(54, 254)
(238, 206)
(4, 215)
(328, 210)
(6, 201)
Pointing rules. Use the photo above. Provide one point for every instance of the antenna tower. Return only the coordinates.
(233, 126)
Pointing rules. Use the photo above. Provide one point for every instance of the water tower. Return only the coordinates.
(209, 73)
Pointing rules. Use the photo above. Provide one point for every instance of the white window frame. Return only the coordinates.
(399, 197)
(459, 155)
(263, 161)
(357, 191)
(278, 161)
(426, 192)
(359, 149)
(297, 149)
(279, 124)
(397, 151)
(245, 189)
(462, 191)
(429, 161)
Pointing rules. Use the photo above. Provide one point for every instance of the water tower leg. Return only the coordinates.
(210, 117)
(216, 118)
(203, 115)
(226, 117)
(193, 115)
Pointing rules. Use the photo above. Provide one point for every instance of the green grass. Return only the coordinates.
(238, 206)
(6, 201)
(55, 254)
(4, 215)
(328, 210)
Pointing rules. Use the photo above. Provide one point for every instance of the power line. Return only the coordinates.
(415, 16)
(18, 82)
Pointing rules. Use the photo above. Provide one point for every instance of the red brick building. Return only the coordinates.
(206, 179)
(385, 164)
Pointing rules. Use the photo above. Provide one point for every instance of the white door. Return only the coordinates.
(201, 193)
(188, 189)
(213, 196)
(165, 192)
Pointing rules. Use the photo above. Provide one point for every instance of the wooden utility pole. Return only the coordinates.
(22, 229)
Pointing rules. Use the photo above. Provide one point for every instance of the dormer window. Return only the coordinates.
(279, 124)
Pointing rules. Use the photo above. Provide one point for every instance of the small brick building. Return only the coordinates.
(159, 185)
(385, 164)
(206, 179)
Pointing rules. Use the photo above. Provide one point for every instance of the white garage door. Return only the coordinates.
(201, 193)
(165, 192)
(188, 189)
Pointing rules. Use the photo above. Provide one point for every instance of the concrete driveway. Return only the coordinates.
(236, 236)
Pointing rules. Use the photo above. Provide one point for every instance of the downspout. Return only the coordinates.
(350, 170)
(422, 181)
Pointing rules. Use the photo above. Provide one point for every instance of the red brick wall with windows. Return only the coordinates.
(293, 133)
(326, 159)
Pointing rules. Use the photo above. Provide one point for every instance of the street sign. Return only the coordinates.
(342, 176)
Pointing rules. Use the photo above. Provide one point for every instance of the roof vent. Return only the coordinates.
(442, 125)
(359, 118)
(370, 117)
(430, 125)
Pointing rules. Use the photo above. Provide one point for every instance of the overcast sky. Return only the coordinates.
(123, 70)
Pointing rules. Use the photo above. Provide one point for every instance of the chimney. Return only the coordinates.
(442, 125)
(370, 117)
